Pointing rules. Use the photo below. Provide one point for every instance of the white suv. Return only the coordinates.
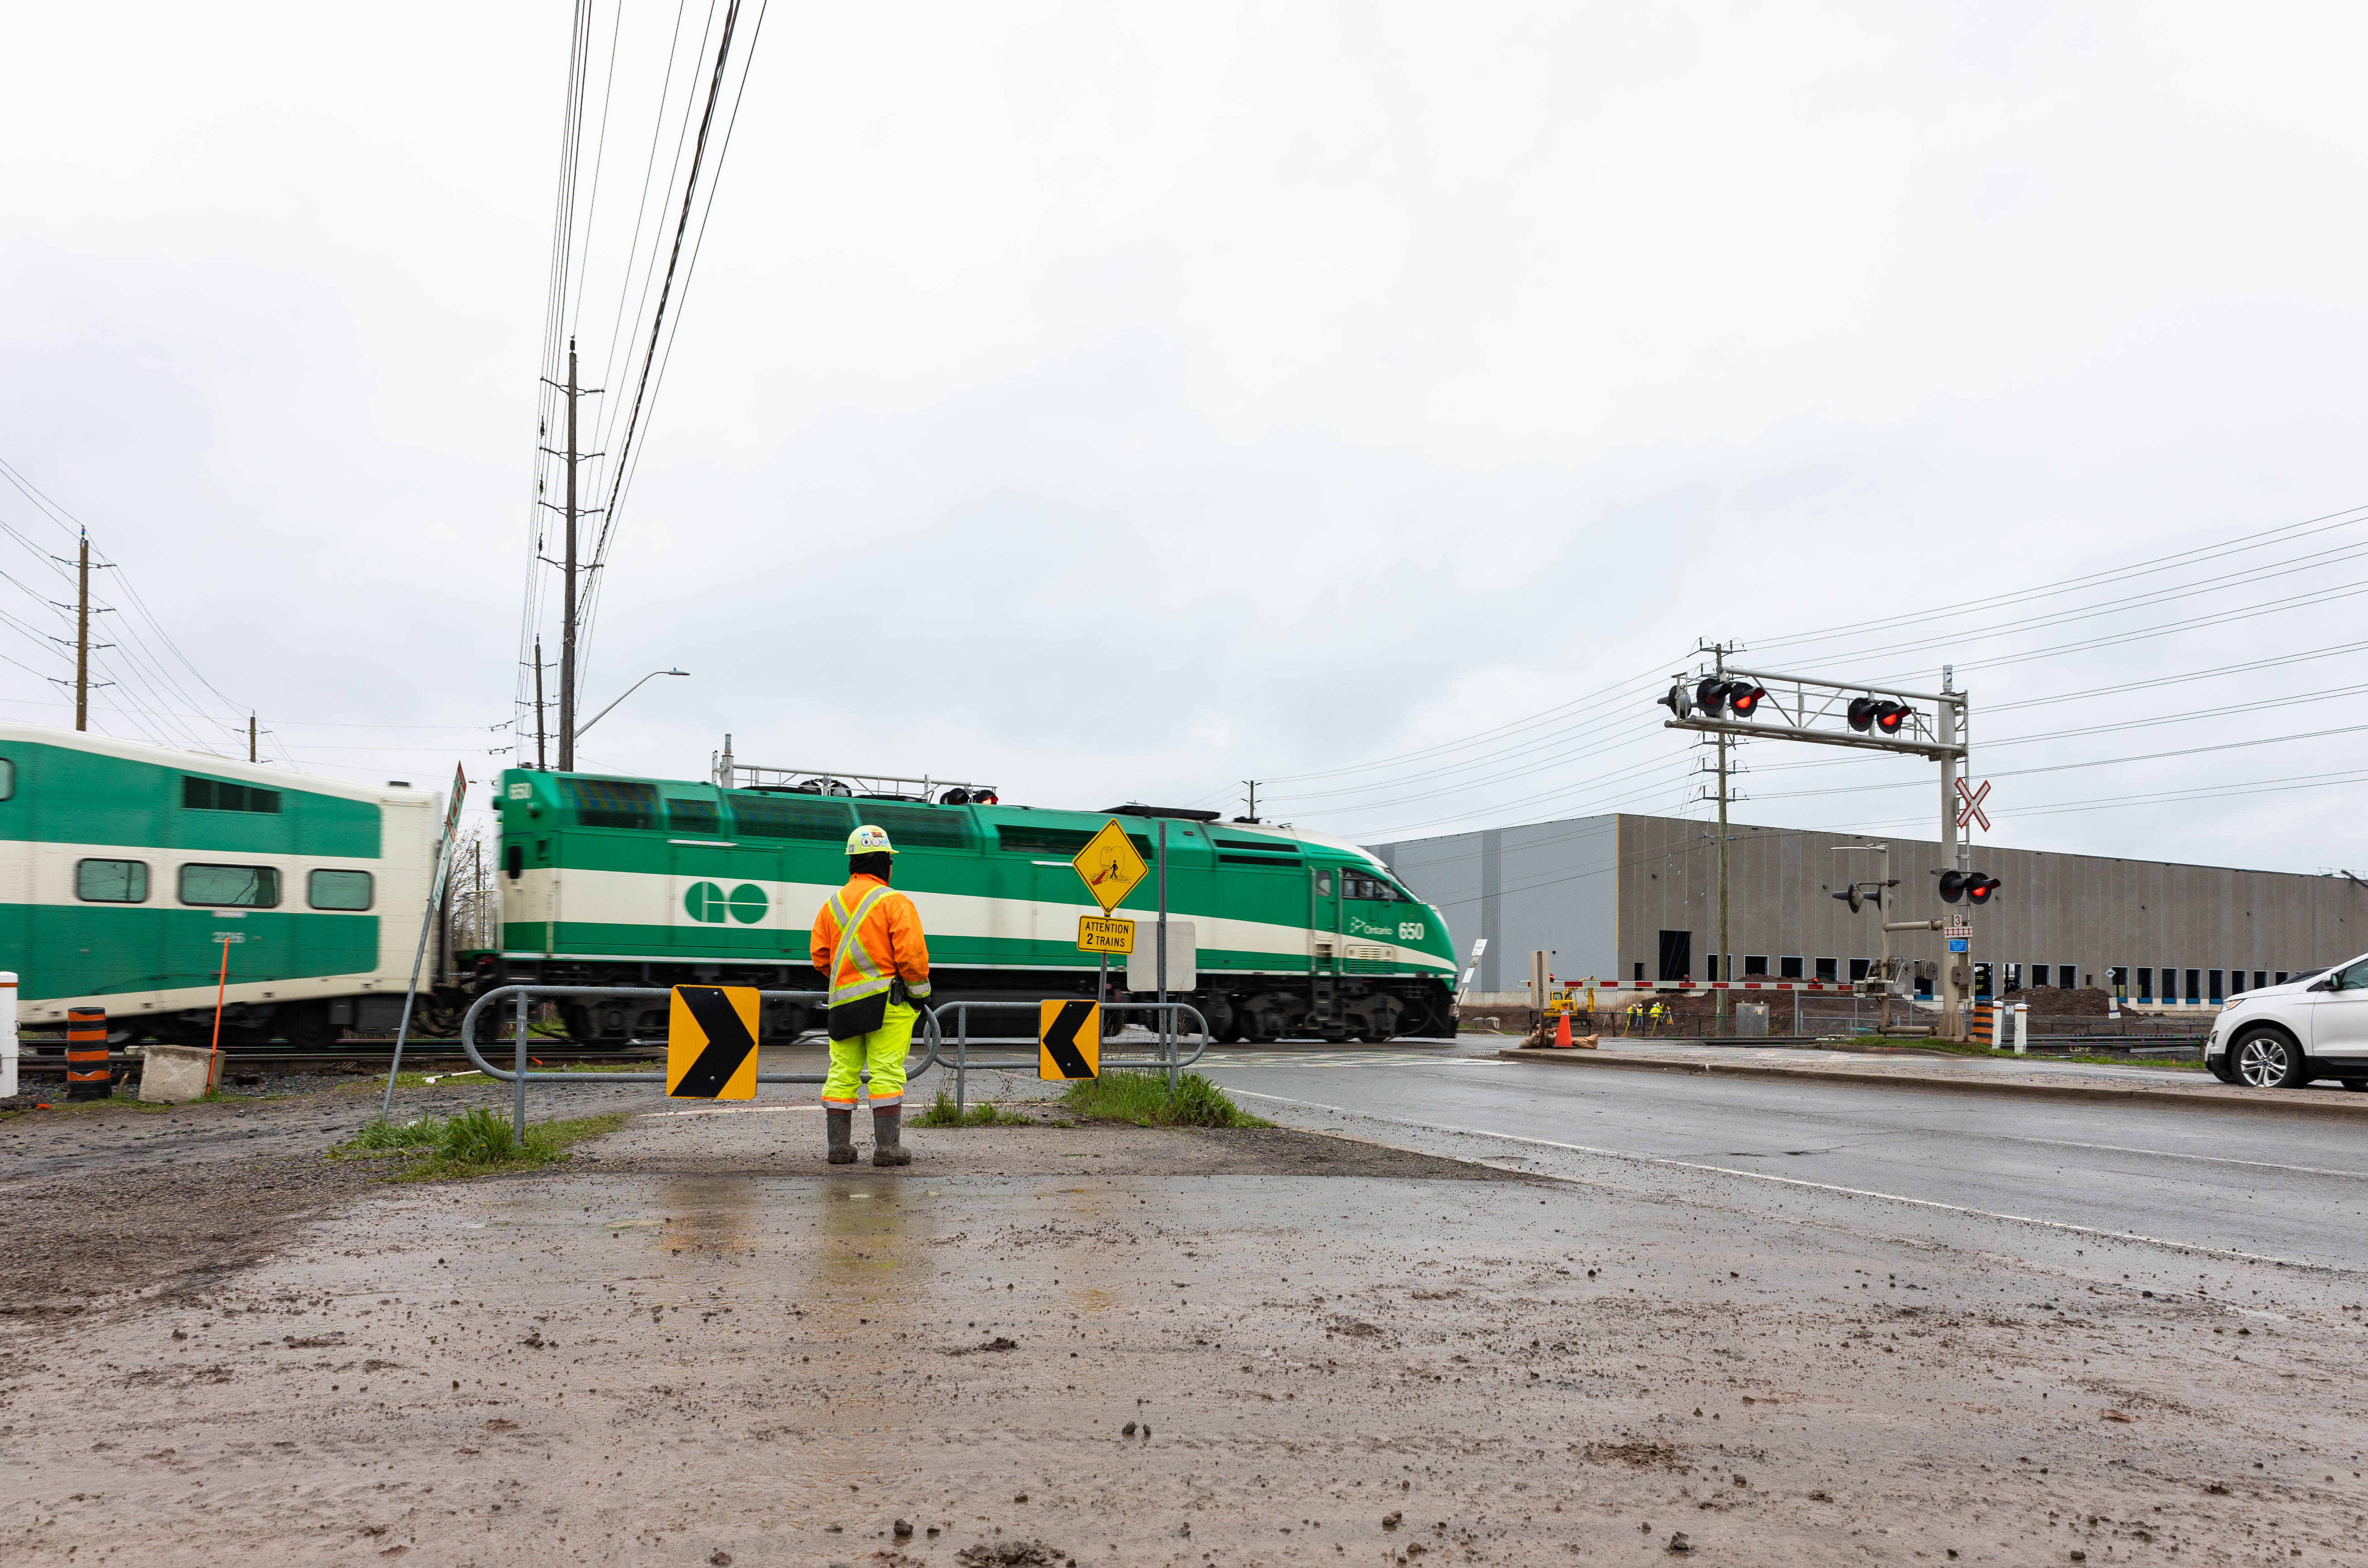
(2282, 1037)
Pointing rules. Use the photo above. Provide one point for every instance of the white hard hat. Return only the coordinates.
(870, 840)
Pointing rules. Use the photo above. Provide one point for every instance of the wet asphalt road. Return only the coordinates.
(2247, 1182)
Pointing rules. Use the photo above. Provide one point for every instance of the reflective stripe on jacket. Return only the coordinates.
(866, 936)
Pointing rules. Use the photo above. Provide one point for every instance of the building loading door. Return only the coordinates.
(1677, 955)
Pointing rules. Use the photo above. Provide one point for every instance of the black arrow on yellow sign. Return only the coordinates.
(1071, 1035)
(721, 1040)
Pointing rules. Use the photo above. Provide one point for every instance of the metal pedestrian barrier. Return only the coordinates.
(520, 1073)
(1169, 1058)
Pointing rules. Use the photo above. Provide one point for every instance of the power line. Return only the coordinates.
(2284, 533)
(628, 462)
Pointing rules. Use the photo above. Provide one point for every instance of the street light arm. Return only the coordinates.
(629, 691)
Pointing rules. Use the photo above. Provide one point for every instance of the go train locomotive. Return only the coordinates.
(647, 881)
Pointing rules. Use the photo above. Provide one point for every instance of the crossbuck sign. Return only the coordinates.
(1971, 809)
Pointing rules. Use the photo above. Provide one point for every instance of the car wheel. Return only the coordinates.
(2268, 1060)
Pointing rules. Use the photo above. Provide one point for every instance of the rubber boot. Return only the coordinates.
(887, 1127)
(842, 1136)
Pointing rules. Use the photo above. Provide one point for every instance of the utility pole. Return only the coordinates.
(568, 627)
(1718, 968)
(82, 642)
(83, 612)
(1253, 784)
(250, 737)
(540, 764)
(1953, 993)
(567, 617)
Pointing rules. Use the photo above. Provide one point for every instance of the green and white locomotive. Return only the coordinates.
(650, 882)
(123, 866)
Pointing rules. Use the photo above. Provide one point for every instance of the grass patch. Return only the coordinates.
(1142, 1098)
(473, 1143)
(940, 1112)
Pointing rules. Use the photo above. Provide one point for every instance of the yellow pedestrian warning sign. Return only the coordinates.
(712, 1042)
(1069, 1039)
(1096, 934)
(1109, 864)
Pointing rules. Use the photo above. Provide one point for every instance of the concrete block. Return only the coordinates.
(177, 1075)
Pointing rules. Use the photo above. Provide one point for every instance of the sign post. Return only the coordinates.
(427, 923)
(1109, 866)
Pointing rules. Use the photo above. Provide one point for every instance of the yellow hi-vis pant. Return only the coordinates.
(882, 1051)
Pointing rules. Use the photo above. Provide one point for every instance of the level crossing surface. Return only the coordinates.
(2234, 1184)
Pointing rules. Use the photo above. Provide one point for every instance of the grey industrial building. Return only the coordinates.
(1624, 897)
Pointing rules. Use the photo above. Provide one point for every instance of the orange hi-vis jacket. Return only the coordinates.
(886, 943)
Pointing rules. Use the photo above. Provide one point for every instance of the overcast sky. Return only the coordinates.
(1120, 403)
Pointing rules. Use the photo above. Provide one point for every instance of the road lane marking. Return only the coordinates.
(2171, 1154)
(2070, 1143)
(2064, 1225)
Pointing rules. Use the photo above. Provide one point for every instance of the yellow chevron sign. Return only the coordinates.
(712, 1042)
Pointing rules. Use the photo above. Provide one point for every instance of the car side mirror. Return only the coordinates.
(2327, 984)
(514, 861)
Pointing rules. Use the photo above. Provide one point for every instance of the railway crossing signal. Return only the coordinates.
(712, 1042)
(1872, 712)
(1068, 1040)
(1717, 697)
(1971, 886)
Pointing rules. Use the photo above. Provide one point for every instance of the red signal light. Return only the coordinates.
(1743, 697)
(1971, 886)
(1871, 713)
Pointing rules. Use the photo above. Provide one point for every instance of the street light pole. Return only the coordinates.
(629, 691)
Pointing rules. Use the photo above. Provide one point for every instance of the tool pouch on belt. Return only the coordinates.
(861, 1017)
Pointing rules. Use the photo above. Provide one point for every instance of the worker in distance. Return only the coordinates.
(867, 942)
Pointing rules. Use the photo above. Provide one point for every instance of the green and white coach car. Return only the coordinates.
(121, 865)
(649, 881)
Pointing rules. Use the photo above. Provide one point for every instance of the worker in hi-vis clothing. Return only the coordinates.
(867, 942)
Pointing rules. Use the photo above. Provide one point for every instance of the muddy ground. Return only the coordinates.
(698, 1345)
